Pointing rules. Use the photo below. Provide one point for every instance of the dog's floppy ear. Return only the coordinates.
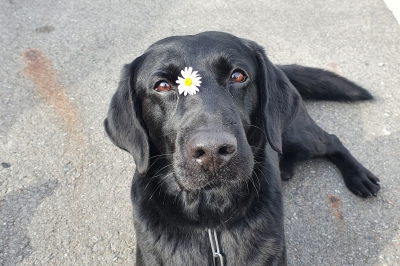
(124, 124)
(279, 99)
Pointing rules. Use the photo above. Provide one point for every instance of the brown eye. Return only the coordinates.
(237, 76)
(163, 86)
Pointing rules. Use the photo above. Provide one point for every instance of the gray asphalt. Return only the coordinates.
(64, 188)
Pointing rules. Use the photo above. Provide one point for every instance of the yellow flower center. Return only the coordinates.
(188, 81)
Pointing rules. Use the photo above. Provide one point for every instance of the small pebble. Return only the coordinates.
(386, 132)
(6, 165)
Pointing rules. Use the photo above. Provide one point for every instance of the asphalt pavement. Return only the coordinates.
(64, 188)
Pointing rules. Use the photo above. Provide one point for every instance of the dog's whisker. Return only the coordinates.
(156, 160)
(256, 128)
(161, 169)
(156, 176)
(161, 155)
(159, 184)
(251, 179)
(268, 163)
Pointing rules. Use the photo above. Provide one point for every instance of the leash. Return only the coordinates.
(215, 248)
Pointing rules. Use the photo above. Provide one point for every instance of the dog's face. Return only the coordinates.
(210, 140)
(204, 138)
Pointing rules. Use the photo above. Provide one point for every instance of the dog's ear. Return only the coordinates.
(124, 124)
(279, 99)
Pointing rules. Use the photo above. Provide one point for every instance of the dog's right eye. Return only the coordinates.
(163, 86)
(237, 77)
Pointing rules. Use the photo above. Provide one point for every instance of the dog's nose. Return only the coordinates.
(212, 150)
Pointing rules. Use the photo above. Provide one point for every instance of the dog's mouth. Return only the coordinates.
(191, 189)
(194, 186)
(192, 177)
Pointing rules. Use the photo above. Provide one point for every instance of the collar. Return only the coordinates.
(215, 248)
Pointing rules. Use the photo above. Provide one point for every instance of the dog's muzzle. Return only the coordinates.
(212, 150)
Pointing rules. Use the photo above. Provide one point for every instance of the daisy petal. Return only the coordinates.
(190, 87)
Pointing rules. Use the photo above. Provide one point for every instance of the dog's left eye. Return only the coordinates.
(163, 86)
(237, 76)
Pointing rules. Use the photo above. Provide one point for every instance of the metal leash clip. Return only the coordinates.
(215, 248)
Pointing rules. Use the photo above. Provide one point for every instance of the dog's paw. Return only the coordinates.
(286, 172)
(286, 176)
(362, 182)
(286, 166)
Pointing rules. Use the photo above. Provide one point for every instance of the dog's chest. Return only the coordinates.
(236, 249)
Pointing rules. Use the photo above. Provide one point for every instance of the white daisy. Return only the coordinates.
(189, 82)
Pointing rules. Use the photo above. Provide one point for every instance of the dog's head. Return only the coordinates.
(211, 139)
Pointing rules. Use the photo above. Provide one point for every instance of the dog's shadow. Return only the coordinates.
(16, 212)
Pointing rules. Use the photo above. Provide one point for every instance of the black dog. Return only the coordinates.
(207, 185)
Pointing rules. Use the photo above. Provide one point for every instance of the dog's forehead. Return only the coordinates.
(200, 48)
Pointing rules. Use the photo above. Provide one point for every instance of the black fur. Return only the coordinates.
(212, 160)
(318, 84)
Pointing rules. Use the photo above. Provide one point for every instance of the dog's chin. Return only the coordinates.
(209, 203)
